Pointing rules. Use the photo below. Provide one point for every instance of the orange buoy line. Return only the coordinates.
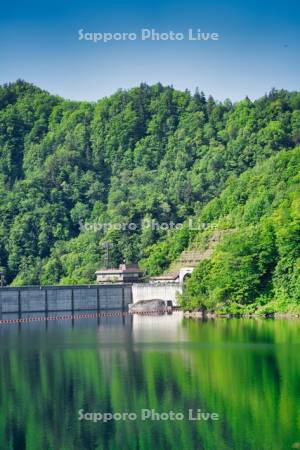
(81, 316)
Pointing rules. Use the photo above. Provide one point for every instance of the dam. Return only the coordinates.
(47, 299)
(94, 297)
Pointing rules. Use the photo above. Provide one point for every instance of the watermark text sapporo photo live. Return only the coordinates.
(145, 224)
(146, 414)
(148, 34)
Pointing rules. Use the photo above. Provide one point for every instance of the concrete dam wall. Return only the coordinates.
(162, 291)
(64, 298)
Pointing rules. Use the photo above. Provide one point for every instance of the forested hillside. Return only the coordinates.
(74, 175)
(256, 265)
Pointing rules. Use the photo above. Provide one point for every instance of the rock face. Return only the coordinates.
(147, 306)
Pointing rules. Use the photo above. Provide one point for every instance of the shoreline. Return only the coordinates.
(211, 315)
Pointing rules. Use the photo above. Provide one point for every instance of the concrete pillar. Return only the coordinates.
(19, 303)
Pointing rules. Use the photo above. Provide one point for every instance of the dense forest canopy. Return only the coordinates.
(152, 154)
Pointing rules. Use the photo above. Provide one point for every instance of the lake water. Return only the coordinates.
(242, 374)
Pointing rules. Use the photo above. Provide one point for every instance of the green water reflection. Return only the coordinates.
(245, 370)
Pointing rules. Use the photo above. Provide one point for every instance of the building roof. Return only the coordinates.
(122, 269)
(109, 271)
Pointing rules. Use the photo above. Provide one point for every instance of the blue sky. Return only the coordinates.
(258, 47)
